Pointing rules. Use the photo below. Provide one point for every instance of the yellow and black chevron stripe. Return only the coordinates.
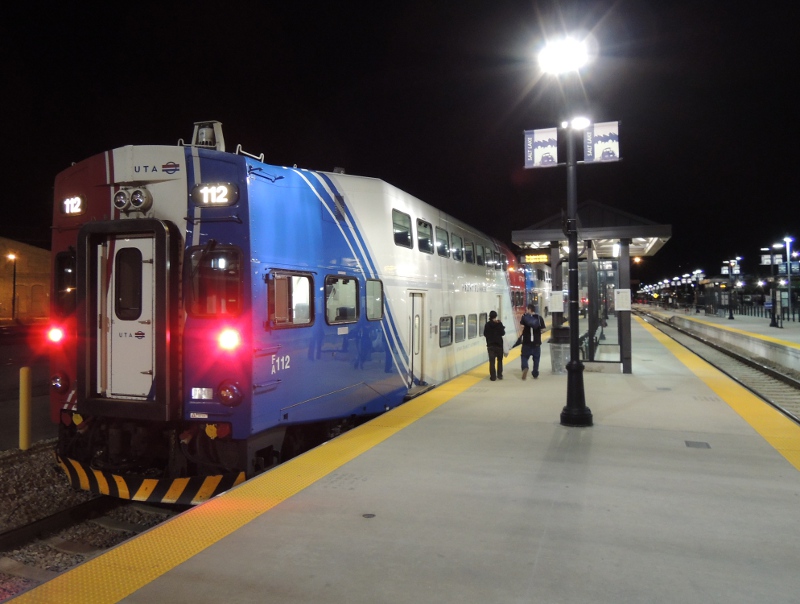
(181, 491)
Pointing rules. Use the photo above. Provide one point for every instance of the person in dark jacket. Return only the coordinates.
(532, 326)
(494, 331)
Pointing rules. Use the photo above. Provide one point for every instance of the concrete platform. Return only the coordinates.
(756, 326)
(754, 335)
(686, 489)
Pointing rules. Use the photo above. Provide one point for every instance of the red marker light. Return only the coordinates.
(229, 339)
(55, 334)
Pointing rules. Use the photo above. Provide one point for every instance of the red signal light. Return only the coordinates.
(229, 339)
(55, 334)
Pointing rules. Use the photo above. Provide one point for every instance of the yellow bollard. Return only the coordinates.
(24, 408)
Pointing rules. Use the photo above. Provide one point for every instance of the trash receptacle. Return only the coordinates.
(559, 348)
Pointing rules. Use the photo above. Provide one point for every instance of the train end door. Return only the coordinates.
(127, 293)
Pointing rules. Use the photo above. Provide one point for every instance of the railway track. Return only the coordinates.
(38, 551)
(778, 386)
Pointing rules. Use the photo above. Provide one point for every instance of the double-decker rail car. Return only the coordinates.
(539, 285)
(212, 312)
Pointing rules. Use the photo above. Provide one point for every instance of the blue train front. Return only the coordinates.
(220, 315)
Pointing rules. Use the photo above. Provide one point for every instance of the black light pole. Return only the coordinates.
(13, 259)
(730, 290)
(575, 413)
(731, 264)
(567, 57)
(774, 293)
(788, 241)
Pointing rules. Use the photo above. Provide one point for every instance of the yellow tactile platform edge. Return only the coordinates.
(778, 430)
(742, 332)
(126, 568)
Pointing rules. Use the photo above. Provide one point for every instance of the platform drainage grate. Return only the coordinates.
(695, 444)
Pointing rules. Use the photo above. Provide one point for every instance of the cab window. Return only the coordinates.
(215, 282)
(65, 283)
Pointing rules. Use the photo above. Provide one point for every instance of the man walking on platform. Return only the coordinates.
(494, 331)
(532, 326)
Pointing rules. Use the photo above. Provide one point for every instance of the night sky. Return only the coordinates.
(432, 97)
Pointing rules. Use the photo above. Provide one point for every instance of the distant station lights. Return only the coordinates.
(769, 295)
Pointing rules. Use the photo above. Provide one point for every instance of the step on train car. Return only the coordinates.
(213, 314)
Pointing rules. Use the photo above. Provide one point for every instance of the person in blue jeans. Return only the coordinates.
(532, 326)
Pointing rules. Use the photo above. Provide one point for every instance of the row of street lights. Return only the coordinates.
(732, 269)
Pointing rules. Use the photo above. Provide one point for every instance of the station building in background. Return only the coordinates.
(24, 282)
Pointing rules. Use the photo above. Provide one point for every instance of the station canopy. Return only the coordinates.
(603, 225)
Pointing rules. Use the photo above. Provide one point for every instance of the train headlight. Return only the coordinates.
(229, 393)
(121, 200)
(229, 339)
(141, 200)
(55, 334)
(59, 383)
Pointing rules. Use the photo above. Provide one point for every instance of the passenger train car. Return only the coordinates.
(211, 311)
(538, 286)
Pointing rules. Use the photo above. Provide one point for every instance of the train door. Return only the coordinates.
(417, 329)
(128, 319)
(126, 342)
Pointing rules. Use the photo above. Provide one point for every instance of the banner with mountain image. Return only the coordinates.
(541, 148)
(601, 142)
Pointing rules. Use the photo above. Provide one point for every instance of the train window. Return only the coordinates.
(402, 228)
(374, 300)
(424, 236)
(498, 261)
(65, 283)
(469, 252)
(461, 328)
(479, 254)
(472, 326)
(128, 284)
(445, 331)
(215, 283)
(341, 299)
(457, 247)
(483, 318)
(442, 243)
(291, 300)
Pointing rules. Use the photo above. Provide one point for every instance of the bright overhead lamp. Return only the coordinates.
(564, 55)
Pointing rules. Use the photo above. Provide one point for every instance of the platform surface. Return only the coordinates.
(787, 332)
(685, 489)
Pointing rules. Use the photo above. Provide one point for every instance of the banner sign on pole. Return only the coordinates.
(541, 148)
(601, 142)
